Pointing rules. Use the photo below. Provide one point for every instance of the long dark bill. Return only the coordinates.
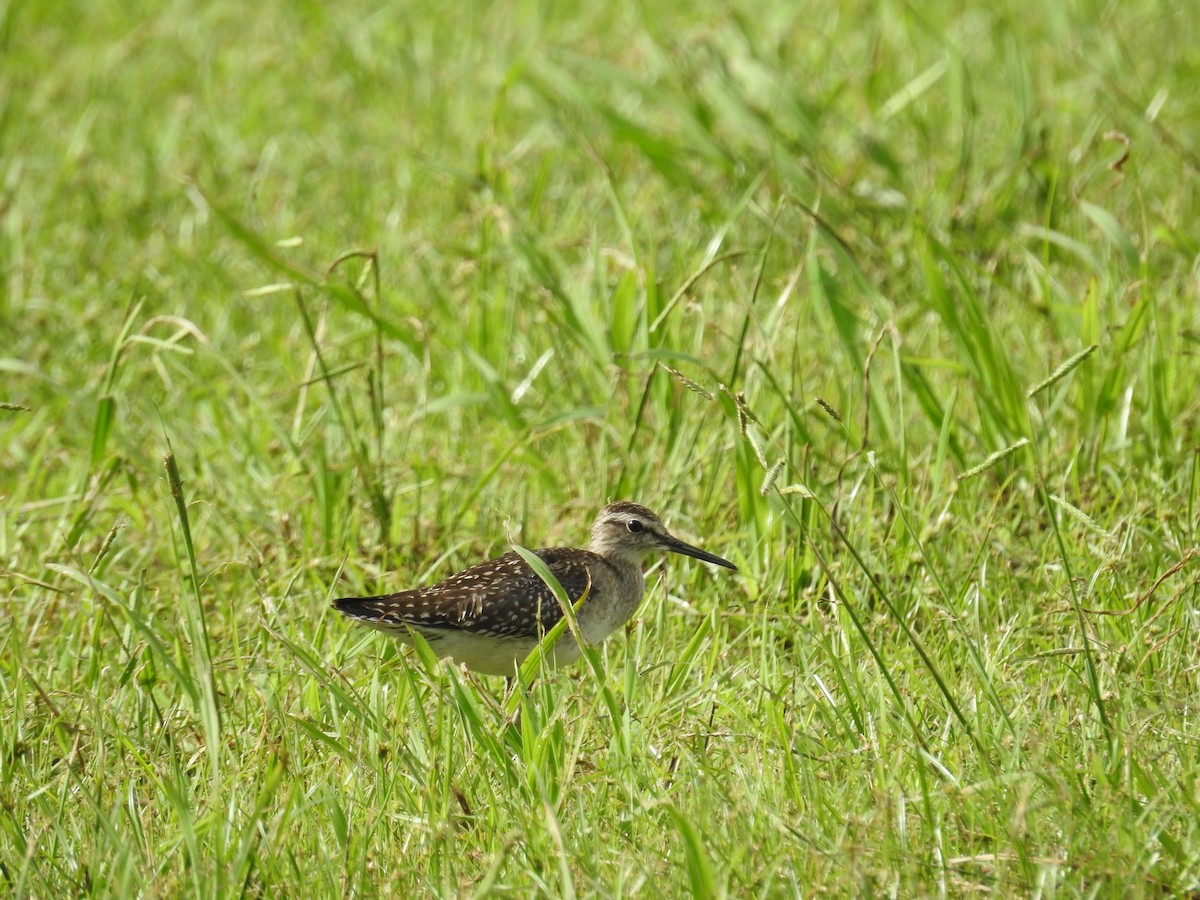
(675, 545)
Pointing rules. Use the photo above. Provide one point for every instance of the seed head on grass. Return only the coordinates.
(828, 407)
(746, 423)
(772, 476)
(798, 490)
(756, 445)
(1080, 516)
(694, 387)
(1063, 370)
(745, 416)
(992, 460)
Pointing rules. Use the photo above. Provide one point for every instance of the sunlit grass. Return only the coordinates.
(895, 309)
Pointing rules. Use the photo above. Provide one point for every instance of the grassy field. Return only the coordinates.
(896, 307)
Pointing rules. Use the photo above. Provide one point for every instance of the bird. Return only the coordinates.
(491, 616)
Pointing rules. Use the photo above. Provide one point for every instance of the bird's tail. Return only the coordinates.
(365, 609)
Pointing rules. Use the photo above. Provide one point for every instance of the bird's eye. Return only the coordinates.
(634, 525)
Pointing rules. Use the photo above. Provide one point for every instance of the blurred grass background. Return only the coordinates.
(895, 307)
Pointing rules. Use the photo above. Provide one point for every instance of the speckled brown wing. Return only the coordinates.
(502, 597)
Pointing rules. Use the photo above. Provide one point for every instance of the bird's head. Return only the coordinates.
(628, 531)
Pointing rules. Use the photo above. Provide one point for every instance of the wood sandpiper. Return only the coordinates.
(491, 616)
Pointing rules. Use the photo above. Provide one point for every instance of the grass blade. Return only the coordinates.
(196, 629)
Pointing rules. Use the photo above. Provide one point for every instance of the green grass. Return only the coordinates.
(392, 288)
